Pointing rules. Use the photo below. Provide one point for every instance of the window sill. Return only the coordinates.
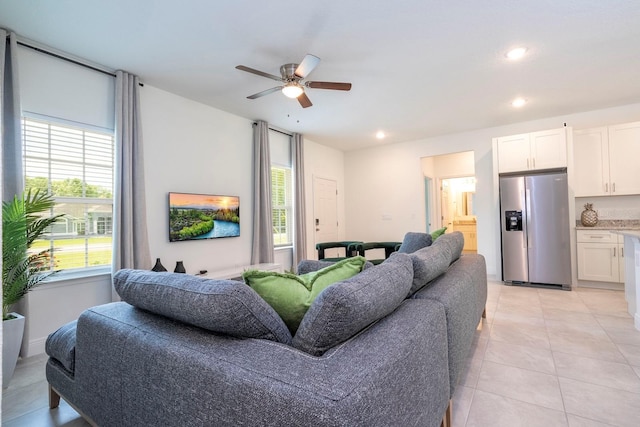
(82, 273)
(283, 248)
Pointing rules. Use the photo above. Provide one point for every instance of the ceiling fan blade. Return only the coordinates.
(328, 85)
(307, 65)
(304, 100)
(264, 92)
(258, 72)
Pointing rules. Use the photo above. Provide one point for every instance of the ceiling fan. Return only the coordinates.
(292, 79)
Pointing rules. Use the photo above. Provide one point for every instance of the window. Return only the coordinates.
(281, 202)
(75, 165)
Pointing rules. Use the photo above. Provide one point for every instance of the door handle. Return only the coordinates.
(528, 209)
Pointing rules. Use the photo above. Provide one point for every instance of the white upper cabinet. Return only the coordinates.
(605, 160)
(513, 153)
(591, 162)
(532, 151)
(624, 152)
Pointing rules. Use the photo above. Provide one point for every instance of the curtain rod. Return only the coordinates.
(284, 132)
(66, 58)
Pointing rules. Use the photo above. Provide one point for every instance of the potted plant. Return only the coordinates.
(23, 222)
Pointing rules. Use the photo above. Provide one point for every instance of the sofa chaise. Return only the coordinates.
(383, 348)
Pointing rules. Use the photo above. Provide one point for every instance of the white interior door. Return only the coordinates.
(325, 213)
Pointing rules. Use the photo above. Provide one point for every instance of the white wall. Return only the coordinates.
(323, 162)
(387, 180)
(193, 148)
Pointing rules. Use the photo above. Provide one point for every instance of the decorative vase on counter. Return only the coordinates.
(158, 266)
(589, 217)
(179, 268)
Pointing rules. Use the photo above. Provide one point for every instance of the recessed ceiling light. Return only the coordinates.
(380, 134)
(518, 102)
(517, 53)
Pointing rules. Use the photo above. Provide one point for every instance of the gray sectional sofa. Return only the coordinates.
(383, 348)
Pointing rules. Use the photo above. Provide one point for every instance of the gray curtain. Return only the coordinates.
(10, 118)
(262, 249)
(299, 212)
(130, 239)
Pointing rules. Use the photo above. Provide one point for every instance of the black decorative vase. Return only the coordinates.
(158, 266)
(179, 268)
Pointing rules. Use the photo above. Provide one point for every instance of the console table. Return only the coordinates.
(632, 272)
(236, 272)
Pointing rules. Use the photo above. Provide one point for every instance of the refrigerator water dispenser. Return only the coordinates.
(513, 220)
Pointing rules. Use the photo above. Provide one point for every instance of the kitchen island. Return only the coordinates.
(632, 272)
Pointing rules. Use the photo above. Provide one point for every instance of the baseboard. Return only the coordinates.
(601, 285)
(35, 347)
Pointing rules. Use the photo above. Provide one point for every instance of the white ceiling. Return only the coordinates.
(419, 68)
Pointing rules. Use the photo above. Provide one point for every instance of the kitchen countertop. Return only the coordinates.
(612, 224)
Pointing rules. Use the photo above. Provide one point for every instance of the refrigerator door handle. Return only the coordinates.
(527, 201)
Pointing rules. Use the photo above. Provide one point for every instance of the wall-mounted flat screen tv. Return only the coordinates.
(203, 216)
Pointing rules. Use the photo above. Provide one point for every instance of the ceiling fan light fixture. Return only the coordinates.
(518, 102)
(292, 90)
(516, 54)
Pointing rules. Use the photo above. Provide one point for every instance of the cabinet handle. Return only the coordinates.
(606, 187)
(534, 163)
(527, 163)
(614, 252)
(596, 237)
(622, 252)
(613, 187)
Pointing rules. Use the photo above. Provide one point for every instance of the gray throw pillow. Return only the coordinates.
(455, 242)
(429, 263)
(223, 306)
(345, 308)
(310, 265)
(414, 241)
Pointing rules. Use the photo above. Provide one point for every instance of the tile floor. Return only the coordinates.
(546, 357)
(543, 357)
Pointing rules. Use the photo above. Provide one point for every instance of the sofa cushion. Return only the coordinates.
(429, 263)
(61, 345)
(291, 295)
(223, 306)
(414, 241)
(347, 307)
(309, 265)
(455, 242)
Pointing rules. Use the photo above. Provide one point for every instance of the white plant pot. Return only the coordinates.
(12, 331)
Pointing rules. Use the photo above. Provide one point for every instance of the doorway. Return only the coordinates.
(325, 213)
(458, 199)
(450, 195)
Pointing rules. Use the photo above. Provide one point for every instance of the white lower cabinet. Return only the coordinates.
(600, 256)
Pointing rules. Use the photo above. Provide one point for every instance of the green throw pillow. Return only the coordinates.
(291, 295)
(437, 233)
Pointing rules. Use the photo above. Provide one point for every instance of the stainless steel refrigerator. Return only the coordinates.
(534, 211)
